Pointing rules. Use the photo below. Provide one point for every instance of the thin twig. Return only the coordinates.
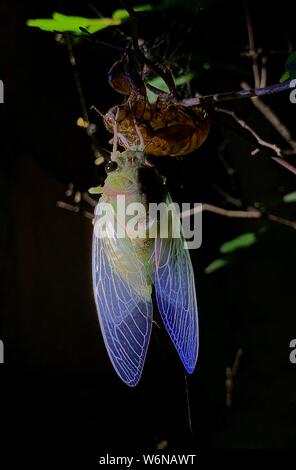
(159, 69)
(89, 200)
(263, 79)
(227, 197)
(237, 214)
(73, 63)
(68, 207)
(281, 221)
(279, 158)
(249, 214)
(270, 115)
(285, 164)
(252, 53)
(230, 374)
(188, 405)
(244, 125)
(237, 95)
(97, 152)
(231, 173)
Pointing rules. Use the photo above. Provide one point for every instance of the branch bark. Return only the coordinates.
(248, 214)
(237, 95)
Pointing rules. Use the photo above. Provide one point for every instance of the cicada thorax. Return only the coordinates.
(133, 187)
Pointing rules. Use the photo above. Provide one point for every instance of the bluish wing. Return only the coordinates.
(123, 300)
(176, 297)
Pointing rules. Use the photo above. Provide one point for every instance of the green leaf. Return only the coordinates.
(243, 241)
(183, 79)
(216, 264)
(290, 72)
(161, 85)
(122, 14)
(290, 197)
(285, 77)
(65, 23)
(158, 82)
(72, 24)
(44, 24)
(291, 65)
(234, 250)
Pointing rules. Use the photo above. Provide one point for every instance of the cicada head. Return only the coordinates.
(122, 171)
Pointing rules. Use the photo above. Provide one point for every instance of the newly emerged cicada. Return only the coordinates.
(128, 261)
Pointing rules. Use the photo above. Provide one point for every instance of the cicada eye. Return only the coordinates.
(111, 166)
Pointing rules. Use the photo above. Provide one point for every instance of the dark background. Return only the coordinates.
(59, 388)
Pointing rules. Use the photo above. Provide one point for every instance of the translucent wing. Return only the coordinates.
(123, 300)
(176, 297)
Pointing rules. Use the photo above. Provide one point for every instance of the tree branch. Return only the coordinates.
(249, 214)
(272, 118)
(252, 53)
(244, 125)
(237, 95)
(97, 151)
(263, 143)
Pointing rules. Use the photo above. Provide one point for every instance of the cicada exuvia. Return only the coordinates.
(167, 126)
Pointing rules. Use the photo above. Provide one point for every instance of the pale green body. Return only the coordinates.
(128, 254)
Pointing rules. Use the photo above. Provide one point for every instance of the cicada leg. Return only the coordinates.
(139, 134)
(115, 135)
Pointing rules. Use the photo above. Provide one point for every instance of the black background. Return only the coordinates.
(59, 389)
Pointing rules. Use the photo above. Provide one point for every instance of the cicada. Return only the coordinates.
(125, 268)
